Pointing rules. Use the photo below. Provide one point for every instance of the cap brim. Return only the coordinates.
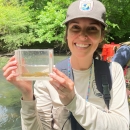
(67, 20)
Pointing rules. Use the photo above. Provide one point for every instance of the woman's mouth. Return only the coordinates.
(82, 45)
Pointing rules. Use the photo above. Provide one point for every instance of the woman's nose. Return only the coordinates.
(83, 36)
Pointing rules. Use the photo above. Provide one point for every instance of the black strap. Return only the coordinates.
(74, 124)
(103, 79)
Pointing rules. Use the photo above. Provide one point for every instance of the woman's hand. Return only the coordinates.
(10, 73)
(63, 85)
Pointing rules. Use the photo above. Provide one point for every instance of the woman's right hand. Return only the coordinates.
(10, 73)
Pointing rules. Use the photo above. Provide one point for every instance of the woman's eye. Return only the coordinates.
(92, 29)
(75, 28)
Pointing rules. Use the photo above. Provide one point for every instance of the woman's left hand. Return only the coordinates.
(63, 85)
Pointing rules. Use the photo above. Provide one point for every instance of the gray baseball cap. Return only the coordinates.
(86, 9)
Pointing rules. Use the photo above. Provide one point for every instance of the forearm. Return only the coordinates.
(31, 119)
(28, 96)
(93, 118)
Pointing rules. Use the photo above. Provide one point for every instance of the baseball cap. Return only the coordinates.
(86, 9)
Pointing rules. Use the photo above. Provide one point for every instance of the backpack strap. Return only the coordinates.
(104, 83)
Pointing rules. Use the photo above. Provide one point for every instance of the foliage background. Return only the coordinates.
(39, 23)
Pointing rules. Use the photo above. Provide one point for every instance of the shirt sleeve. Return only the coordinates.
(36, 115)
(93, 118)
(122, 56)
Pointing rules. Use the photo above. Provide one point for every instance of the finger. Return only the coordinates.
(12, 58)
(54, 83)
(66, 83)
(60, 77)
(57, 85)
(58, 89)
(9, 64)
(59, 73)
(9, 70)
(55, 77)
(62, 88)
(12, 76)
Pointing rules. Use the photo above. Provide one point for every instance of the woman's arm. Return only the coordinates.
(93, 118)
(36, 114)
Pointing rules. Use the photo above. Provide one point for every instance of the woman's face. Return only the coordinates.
(84, 36)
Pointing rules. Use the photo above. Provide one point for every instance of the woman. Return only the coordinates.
(50, 106)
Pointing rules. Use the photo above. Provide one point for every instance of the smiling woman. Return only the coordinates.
(65, 104)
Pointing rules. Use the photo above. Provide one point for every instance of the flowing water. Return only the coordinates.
(10, 103)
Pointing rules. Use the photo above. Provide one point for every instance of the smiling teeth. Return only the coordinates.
(82, 45)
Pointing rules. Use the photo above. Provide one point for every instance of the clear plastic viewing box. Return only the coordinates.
(34, 64)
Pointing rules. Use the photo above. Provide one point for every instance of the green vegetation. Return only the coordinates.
(40, 23)
(118, 17)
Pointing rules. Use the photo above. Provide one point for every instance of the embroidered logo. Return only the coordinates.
(86, 5)
(95, 90)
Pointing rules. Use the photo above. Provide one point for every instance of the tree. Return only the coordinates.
(50, 23)
(16, 26)
(118, 19)
(26, 22)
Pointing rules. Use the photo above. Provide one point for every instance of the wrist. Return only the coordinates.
(67, 99)
(28, 97)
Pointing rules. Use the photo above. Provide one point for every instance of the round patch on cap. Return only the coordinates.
(86, 5)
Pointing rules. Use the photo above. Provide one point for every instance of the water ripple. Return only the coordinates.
(3, 115)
